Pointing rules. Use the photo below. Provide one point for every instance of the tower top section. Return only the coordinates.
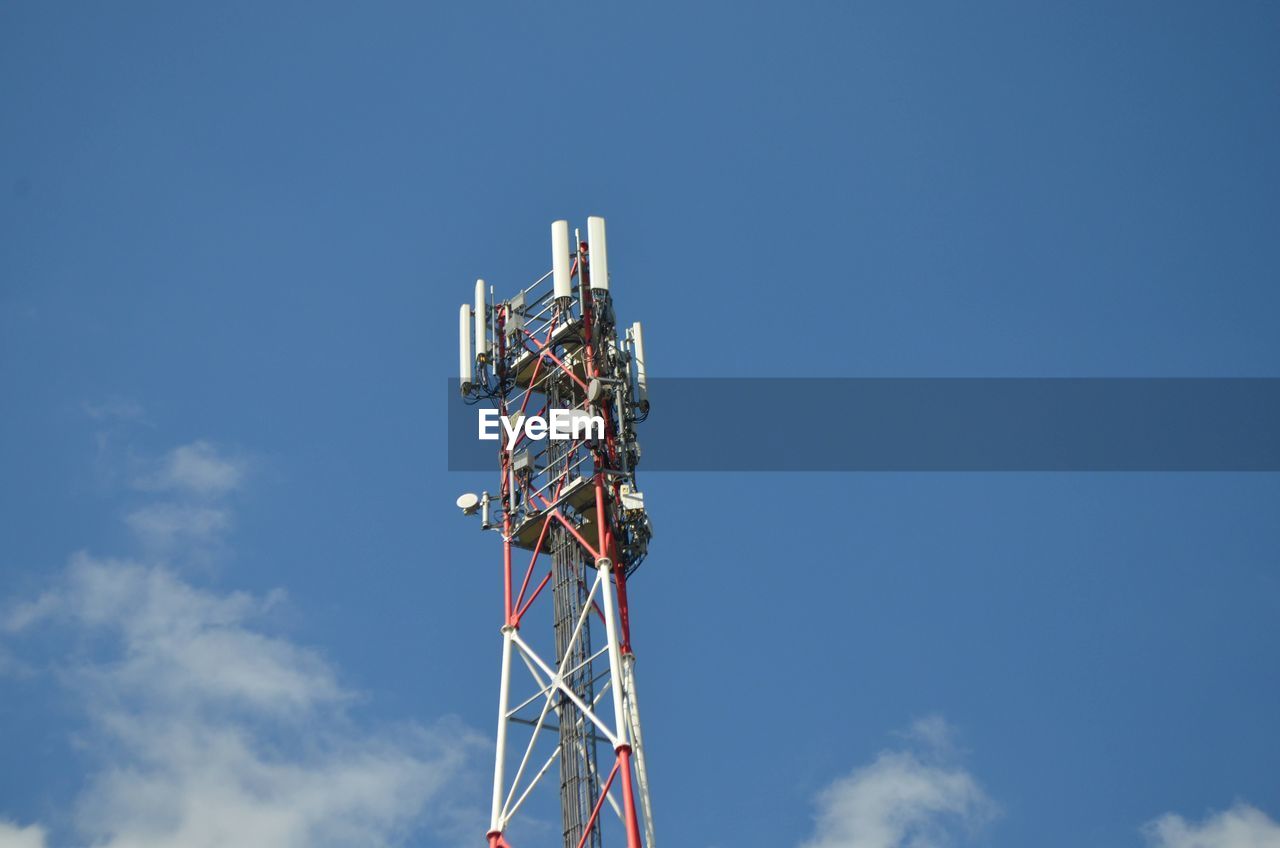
(554, 350)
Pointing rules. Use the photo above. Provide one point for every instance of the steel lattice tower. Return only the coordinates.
(572, 501)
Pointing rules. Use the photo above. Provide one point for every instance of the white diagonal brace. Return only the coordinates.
(528, 752)
(500, 757)
(568, 692)
(532, 783)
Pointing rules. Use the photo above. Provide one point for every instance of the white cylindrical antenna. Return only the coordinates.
(560, 267)
(599, 252)
(642, 373)
(482, 325)
(466, 364)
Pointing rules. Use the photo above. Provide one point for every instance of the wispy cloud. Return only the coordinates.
(194, 469)
(212, 732)
(177, 643)
(115, 409)
(932, 734)
(911, 798)
(919, 797)
(1241, 826)
(164, 527)
(191, 515)
(207, 729)
(13, 836)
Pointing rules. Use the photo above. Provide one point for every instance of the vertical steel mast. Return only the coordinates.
(569, 499)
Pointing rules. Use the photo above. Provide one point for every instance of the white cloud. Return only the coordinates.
(934, 734)
(197, 469)
(217, 785)
(179, 644)
(203, 728)
(1242, 826)
(192, 519)
(904, 799)
(163, 527)
(211, 733)
(12, 836)
(23, 614)
(116, 409)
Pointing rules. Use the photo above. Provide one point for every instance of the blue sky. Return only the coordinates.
(239, 607)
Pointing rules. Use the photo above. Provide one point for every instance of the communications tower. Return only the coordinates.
(567, 501)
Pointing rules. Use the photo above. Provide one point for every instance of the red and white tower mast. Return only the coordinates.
(567, 501)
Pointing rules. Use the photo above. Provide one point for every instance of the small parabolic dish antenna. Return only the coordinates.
(468, 503)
